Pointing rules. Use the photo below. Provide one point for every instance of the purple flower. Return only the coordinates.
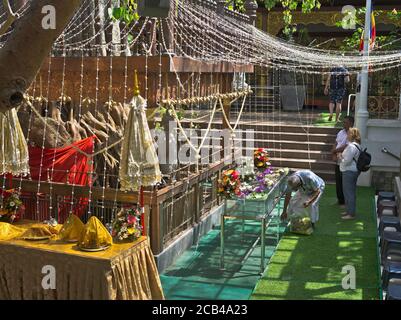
(267, 171)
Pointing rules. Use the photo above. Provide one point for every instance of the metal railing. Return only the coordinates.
(386, 151)
(349, 102)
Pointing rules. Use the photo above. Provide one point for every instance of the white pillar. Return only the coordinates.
(362, 114)
(399, 108)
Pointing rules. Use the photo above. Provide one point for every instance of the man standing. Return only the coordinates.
(309, 189)
(338, 148)
(335, 87)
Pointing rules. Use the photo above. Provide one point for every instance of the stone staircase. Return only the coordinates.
(298, 147)
(294, 146)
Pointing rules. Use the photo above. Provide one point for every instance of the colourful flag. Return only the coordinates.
(372, 34)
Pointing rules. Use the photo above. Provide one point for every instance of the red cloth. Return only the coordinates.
(69, 164)
(65, 165)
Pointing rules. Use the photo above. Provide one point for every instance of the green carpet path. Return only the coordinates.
(323, 120)
(300, 267)
(310, 267)
(196, 273)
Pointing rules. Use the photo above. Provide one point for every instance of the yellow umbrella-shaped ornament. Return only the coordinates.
(14, 159)
(139, 164)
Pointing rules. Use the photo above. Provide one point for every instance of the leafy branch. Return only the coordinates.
(126, 12)
(289, 6)
(383, 42)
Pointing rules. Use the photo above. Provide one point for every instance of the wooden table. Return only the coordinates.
(125, 271)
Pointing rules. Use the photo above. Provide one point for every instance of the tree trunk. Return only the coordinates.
(116, 34)
(27, 46)
(92, 29)
(102, 26)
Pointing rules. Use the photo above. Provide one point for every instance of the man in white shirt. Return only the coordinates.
(338, 148)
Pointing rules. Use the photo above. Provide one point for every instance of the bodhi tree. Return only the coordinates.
(288, 6)
(28, 44)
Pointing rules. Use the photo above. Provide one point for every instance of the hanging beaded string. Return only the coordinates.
(226, 30)
(50, 179)
(37, 212)
(305, 127)
(33, 97)
(313, 60)
(207, 54)
(76, 26)
(82, 45)
(279, 110)
(146, 72)
(125, 78)
(110, 101)
(91, 160)
(18, 15)
(81, 88)
(40, 100)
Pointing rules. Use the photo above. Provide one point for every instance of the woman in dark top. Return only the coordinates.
(335, 87)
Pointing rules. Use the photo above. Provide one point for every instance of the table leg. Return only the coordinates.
(262, 245)
(222, 242)
(243, 230)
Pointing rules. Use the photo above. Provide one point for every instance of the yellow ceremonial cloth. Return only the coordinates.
(26, 228)
(94, 235)
(9, 231)
(125, 271)
(39, 230)
(72, 228)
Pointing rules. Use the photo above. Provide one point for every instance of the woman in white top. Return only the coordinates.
(350, 173)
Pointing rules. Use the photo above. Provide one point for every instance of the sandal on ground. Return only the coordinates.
(348, 217)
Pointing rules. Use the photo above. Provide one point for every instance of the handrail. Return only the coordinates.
(385, 150)
(349, 102)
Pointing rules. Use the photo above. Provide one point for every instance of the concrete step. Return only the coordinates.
(327, 175)
(291, 145)
(289, 128)
(302, 147)
(271, 127)
(294, 136)
(311, 164)
(300, 154)
(273, 135)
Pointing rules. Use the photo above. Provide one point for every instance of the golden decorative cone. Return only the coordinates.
(39, 231)
(94, 235)
(137, 91)
(72, 228)
(8, 231)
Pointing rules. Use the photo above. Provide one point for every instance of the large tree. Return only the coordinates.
(27, 46)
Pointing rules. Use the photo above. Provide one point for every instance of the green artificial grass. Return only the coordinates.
(196, 273)
(310, 267)
(323, 120)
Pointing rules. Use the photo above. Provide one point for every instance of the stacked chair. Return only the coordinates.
(388, 206)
